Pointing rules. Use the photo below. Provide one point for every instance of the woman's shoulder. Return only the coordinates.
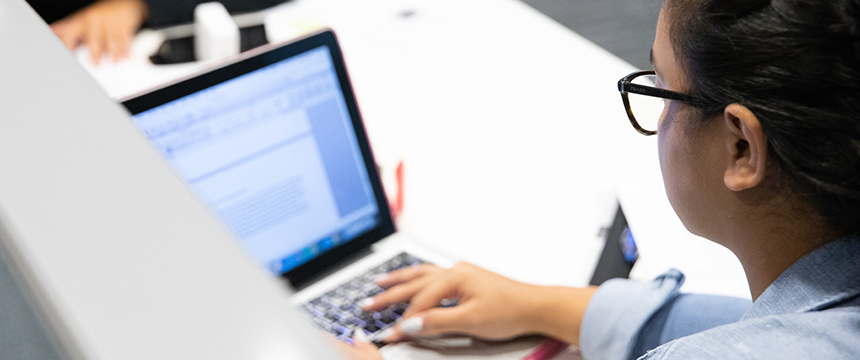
(828, 334)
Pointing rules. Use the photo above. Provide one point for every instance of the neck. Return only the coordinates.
(766, 250)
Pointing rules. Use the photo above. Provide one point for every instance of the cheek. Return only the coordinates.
(670, 166)
(682, 175)
(669, 150)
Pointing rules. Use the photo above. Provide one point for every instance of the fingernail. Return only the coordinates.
(366, 302)
(412, 326)
(385, 334)
(449, 302)
(446, 343)
(360, 336)
(380, 277)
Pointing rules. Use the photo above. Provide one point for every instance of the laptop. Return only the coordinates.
(273, 144)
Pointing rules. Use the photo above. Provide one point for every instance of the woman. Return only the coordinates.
(759, 144)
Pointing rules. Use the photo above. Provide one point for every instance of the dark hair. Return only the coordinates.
(796, 65)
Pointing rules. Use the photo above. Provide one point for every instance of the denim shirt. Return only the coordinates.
(811, 311)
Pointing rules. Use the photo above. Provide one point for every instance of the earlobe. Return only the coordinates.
(746, 148)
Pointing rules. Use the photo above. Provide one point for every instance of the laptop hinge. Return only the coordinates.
(340, 265)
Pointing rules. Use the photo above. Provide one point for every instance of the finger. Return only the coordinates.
(112, 42)
(124, 40)
(95, 39)
(430, 296)
(404, 275)
(120, 36)
(361, 344)
(433, 322)
(396, 294)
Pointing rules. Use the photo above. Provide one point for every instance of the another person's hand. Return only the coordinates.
(106, 26)
(490, 306)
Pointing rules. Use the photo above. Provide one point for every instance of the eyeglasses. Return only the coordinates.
(644, 101)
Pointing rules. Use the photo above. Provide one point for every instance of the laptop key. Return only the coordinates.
(343, 316)
(387, 320)
(358, 322)
(330, 316)
(368, 278)
(371, 327)
(344, 330)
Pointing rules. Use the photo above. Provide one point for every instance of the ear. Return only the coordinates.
(747, 148)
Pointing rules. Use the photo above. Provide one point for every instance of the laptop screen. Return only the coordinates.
(274, 154)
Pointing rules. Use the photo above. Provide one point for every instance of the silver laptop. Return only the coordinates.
(273, 143)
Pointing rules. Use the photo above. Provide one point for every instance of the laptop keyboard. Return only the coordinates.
(336, 311)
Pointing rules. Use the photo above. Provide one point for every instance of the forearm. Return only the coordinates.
(557, 311)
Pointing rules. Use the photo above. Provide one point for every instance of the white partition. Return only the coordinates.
(121, 260)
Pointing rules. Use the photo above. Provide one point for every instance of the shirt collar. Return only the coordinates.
(825, 278)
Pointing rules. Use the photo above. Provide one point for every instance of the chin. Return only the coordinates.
(688, 223)
(687, 212)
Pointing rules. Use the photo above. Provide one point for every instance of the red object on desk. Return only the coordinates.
(547, 349)
(397, 205)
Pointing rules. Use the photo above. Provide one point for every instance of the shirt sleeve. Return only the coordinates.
(687, 314)
(627, 318)
(617, 312)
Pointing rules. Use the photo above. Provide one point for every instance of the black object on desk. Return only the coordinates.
(181, 50)
(619, 253)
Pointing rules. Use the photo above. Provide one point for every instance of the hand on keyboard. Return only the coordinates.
(336, 311)
(490, 305)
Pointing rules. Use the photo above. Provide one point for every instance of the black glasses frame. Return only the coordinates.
(626, 86)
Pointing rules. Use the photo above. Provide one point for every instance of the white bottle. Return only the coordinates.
(216, 35)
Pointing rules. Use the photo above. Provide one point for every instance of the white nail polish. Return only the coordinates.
(380, 336)
(380, 277)
(449, 302)
(460, 342)
(366, 302)
(412, 326)
(360, 335)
